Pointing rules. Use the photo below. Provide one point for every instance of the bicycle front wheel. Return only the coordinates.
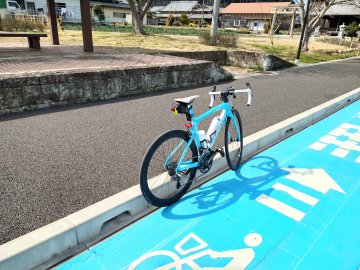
(160, 183)
(233, 141)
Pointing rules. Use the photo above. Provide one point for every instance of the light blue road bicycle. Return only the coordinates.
(170, 164)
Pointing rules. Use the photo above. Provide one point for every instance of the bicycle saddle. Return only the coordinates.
(187, 100)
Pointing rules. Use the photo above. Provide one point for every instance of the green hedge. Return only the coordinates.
(21, 25)
(151, 30)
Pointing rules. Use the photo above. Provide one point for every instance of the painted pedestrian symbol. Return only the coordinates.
(316, 179)
(234, 259)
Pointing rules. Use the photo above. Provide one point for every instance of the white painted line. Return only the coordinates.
(49, 245)
(280, 207)
(318, 146)
(341, 153)
(296, 194)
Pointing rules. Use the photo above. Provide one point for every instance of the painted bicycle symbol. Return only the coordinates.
(232, 259)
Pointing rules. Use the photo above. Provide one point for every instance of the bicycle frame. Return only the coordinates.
(194, 135)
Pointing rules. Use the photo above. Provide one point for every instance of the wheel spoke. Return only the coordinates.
(159, 184)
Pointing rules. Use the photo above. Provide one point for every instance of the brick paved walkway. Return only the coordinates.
(54, 58)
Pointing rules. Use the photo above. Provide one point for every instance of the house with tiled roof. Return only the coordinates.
(192, 9)
(251, 15)
(338, 14)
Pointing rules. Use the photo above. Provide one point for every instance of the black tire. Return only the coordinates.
(156, 179)
(233, 157)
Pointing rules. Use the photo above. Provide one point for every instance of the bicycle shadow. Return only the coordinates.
(252, 178)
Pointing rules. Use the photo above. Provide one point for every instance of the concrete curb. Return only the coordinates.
(61, 239)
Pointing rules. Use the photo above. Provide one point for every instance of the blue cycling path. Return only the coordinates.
(293, 206)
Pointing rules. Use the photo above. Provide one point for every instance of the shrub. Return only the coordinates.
(244, 31)
(266, 28)
(21, 25)
(99, 13)
(39, 26)
(220, 40)
(170, 20)
(184, 19)
(205, 38)
(204, 24)
(227, 40)
(352, 30)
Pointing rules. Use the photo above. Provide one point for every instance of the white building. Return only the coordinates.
(115, 11)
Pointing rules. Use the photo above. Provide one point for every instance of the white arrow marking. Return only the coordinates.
(281, 207)
(316, 179)
(296, 194)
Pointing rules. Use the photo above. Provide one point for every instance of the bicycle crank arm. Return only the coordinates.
(213, 154)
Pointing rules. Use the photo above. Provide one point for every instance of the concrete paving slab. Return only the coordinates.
(62, 58)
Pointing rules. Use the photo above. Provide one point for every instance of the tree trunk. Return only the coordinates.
(214, 21)
(305, 43)
(138, 14)
(292, 23)
(308, 32)
(273, 22)
(138, 24)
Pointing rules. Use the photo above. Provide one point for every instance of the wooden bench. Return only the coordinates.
(33, 38)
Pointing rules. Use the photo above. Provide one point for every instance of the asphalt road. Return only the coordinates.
(54, 162)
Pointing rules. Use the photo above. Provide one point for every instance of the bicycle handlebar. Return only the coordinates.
(231, 91)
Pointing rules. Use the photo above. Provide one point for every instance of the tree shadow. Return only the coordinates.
(252, 178)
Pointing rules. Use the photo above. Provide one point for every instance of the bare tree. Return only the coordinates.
(214, 21)
(317, 9)
(139, 9)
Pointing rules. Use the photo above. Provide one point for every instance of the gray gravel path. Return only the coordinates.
(57, 161)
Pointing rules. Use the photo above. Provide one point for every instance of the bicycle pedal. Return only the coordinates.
(221, 152)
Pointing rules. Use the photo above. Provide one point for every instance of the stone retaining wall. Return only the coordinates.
(219, 57)
(29, 92)
(247, 59)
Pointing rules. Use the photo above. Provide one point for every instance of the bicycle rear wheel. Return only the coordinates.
(159, 182)
(233, 141)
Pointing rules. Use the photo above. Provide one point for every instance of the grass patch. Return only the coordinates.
(312, 58)
(289, 53)
(337, 41)
(127, 41)
(283, 51)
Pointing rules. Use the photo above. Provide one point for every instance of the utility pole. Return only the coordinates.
(297, 60)
(203, 7)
